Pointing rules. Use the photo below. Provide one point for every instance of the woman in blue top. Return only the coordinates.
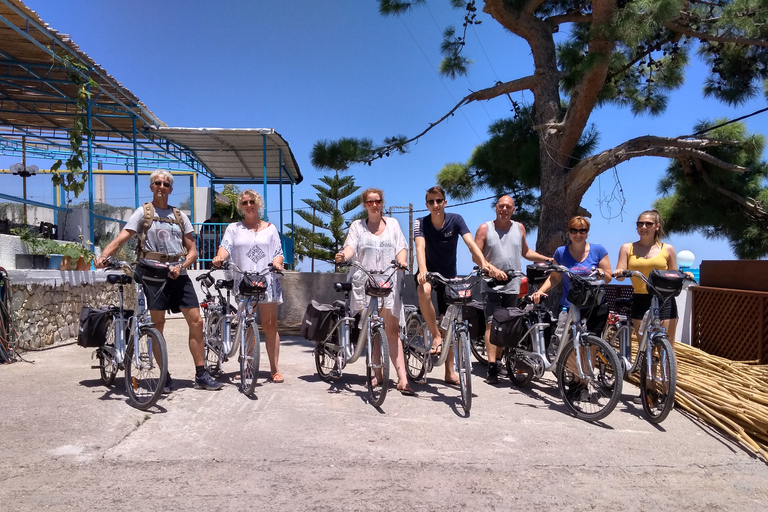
(580, 256)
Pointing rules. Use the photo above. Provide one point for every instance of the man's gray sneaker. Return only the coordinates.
(205, 381)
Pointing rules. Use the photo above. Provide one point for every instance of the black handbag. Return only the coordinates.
(151, 272)
(586, 292)
(458, 293)
(253, 284)
(669, 283)
(318, 321)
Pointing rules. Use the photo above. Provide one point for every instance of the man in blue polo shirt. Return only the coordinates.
(436, 237)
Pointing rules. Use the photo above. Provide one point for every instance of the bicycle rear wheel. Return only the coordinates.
(249, 358)
(106, 356)
(596, 395)
(146, 366)
(377, 367)
(519, 372)
(415, 350)
(464, 355)
(658, 380)
(478, 349)
(213, 342)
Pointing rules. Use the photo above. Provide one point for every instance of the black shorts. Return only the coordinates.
(177, 294)
(494, 301)
(438, 288)
(641, 302)
(596, 318)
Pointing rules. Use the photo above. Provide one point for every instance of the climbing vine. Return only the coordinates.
(74, 180)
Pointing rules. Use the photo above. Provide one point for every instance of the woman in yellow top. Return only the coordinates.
(645, 255)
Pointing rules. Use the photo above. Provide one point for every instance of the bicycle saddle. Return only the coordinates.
(119, 279)
(226, 284)
(342, 287)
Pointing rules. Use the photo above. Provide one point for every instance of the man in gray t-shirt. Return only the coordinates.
(503, 244)
(167, 240)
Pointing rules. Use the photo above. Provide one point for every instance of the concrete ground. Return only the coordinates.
(69, 443)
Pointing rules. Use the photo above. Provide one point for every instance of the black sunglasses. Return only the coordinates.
(642, 224)
(372, 202)
(581, 231)
(439, 200)
(248, 202)
(162, 184)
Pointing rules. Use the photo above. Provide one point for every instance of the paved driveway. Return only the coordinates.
(68, 443)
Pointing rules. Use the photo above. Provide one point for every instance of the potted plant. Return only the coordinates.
(37, 256)
(54, 252)
(76, 256)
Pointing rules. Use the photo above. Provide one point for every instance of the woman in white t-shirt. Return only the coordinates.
(374, 242)
(252, 244)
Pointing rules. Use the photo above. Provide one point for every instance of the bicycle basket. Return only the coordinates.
(536, 273)
(586, 292)
(253, 284)
(378, 287)
(669, 283)
(458, 293)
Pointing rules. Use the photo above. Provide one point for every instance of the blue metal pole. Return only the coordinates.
(92, 235)
(264, 152)
(192, 198)
(135, 164)
(280, 167)
(293, 228)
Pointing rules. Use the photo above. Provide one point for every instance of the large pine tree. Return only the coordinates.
(587, 54)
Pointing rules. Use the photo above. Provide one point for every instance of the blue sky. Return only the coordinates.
(327, 69)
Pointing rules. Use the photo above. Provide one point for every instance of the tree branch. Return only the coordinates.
(713, 37)
(588, 169)
(532, 5)
(484, 94)
(750, 206)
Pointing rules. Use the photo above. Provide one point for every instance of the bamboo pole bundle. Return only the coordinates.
(729, 395)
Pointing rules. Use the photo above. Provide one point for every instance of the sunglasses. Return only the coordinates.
(248, 202)
(642, 224)
(373, 202)
(162, 184)
(430, 202)
(504, 206)
(582, 231)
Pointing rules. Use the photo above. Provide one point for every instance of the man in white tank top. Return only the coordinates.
(503, 244)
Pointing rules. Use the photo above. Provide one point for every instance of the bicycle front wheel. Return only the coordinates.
(415, 350)
(377, 367)
(213, 343)
(146, 367)
(519, 372)
(464, 356)
(249, 358)
(593, 396)
(658, 380)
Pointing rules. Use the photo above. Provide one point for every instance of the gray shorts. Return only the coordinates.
(494, 301)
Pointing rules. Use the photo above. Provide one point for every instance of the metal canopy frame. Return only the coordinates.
(38, 104)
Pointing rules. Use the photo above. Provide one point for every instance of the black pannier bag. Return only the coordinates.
(94, 324)
(318, 321)
(253, 284)
(474, 314)
(507, 327)
(586, 292)
(151, 272)
(669, 283)
(458, 293)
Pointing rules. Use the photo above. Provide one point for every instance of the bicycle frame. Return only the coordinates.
(122, 325)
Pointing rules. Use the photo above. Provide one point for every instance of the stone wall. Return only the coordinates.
(47, 303)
